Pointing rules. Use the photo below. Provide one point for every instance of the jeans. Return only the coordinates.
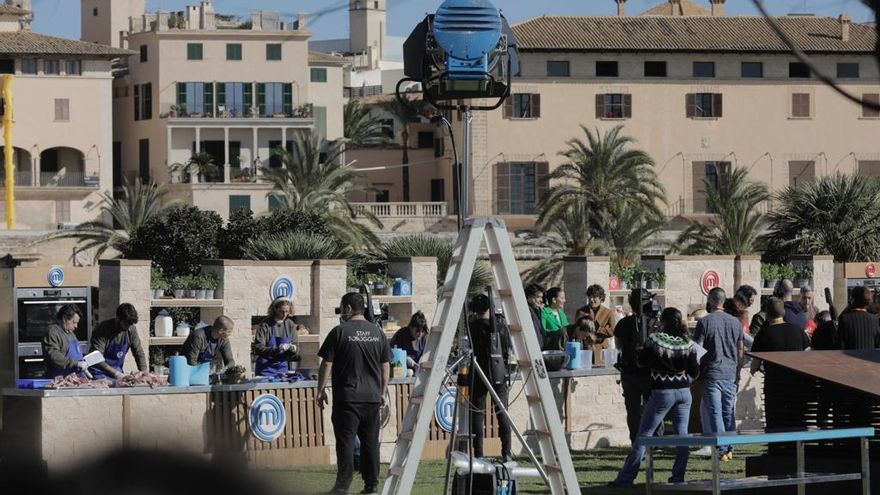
(359, 419)
(716, 408)
(478, 417)
(677, 404)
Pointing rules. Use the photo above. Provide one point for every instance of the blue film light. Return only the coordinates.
(468, 31)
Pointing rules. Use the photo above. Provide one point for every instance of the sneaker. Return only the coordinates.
(368, 490)
(727, 456)
(703, 452)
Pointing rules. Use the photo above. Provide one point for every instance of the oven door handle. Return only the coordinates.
(46, 301)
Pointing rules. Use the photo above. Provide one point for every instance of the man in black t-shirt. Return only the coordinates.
(779, 336)
(857, 328)
(358, 354)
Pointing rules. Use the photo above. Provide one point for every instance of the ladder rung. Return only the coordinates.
(515, 328)
(437, 329)
(505, 292)
(426, 365)
(553, 467)
(524, 364)
(407, 435)
(542, 433)
(417, 400)
(447, 294)
(533, 399)
(396, 470)
(494, 257)
(457, 259)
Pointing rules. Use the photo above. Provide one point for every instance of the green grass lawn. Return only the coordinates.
(595, 469)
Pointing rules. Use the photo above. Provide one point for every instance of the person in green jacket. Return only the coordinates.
(553, 319)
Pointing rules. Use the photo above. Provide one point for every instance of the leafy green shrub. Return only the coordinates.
(243, 227)
(294, 246)
(178, 241)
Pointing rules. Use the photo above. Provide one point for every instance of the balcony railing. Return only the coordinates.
(21, 179)
(69, 179)
(403, 210)
(305, 111)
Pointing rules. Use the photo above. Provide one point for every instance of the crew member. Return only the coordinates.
(61, 345)
(411, 338)
(535, 299)
(276, 343)
(480, 328)
(113, 338)
(358, 355)
(211, 344)
(634, 379)
(600, 327)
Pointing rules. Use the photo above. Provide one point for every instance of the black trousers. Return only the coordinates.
(478, 416)
(361, 419)
(636, 390)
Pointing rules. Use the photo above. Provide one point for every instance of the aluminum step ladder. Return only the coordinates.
(556, 464)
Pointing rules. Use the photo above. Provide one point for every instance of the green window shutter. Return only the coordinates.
(181, 94)
(261, 98)
(233, 51)
(287, 97)
(248, 97)
(221, 94)
(193, 51)
(273, 51)
(318, 74)
(321, 121)
(137, 102)
(147, 95)
(209, 98)
(237, 202)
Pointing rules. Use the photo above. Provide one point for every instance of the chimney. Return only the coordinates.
(162, 19)
(675, 7)
(717, 8)
(621, 7)
(845, 21)
(301, 21)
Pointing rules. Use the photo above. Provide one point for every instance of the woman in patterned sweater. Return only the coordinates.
(672, 359)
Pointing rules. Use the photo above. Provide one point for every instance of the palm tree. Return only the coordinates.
(738, 223)
(137, 204)
(200, 164)
(319, 182)
(627, 230)
(837, 215)
(360, 128)
(602, 172)
(294, 246)
(404, 111)
(570, 235)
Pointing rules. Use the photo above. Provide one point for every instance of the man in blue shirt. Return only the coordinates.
(722, 336)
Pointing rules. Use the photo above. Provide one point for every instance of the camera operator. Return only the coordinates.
(497, 373)
(630, 335)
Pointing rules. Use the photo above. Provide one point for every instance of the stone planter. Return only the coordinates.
(179, 293)
(801, 282)
(769, 284)
(209, 293)
(158, 293)
(191, 293)
(201, 294)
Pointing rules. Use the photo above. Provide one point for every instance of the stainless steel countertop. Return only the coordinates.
(111, 392)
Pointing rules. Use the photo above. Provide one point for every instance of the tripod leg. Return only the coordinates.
(503, 408)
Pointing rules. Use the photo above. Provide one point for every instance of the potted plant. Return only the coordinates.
(158, 359)
(157, 283)
(624, 274)
(199, 281)
(639, 276)
(786, 272)
(191, 286)
(210, 282)
(178, 286)
(656, 279)
(803, 275)
(233, 375)
(770, 273)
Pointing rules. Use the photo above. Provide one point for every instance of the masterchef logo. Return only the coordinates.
(267, 418)
(613, 283)
(709, 281)
(870, 270)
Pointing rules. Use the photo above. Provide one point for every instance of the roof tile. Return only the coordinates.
(688, 34)
(30, 43)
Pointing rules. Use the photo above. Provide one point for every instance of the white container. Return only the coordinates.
(182, 329)
(164, 325)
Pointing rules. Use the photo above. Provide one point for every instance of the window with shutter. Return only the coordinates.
(62, 110)
(519, 186)
(233, 51)
(801, 172)
(181, 94)
(208, 105)
(869, 112)
(137, 102)
(690, 105)
(502, 188)
(698, 179)
(717, 105)
(261, 99)
(194, 51)
(614, 106)
(627, 106)
(287, 90)
(536, 105)
(800, 106)
(273, 51)
(704, 105)
(147, 97)
(600, 106)
(248, 98)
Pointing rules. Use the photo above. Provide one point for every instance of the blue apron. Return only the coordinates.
(74, 353)
(273, 366)
(208, 355)
(114, 355)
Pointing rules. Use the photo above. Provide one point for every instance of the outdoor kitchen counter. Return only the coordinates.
(64, 426)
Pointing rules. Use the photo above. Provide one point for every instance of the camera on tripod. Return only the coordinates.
(648, 305)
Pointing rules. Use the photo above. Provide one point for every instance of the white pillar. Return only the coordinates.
(35, 180)
(226, 171)
(284, 138)
(168, 155)
(256, 151)
(193, 176)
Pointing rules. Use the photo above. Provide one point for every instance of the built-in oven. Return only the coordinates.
(35, 311)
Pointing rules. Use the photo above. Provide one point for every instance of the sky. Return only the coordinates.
(61, 17)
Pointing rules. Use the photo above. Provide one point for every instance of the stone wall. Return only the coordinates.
(116, 281)
(580, 272)
(176, 422)
(683, 275)
(76, 429)
(422, 272)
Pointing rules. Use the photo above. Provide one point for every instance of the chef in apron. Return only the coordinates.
(276, 342)
(412, 339)
(61, 346)
(114, 338)
(211, 344)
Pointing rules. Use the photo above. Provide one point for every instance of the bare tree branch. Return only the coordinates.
(803, 58)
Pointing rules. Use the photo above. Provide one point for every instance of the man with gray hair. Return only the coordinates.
(794, 314)
(722, 336)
